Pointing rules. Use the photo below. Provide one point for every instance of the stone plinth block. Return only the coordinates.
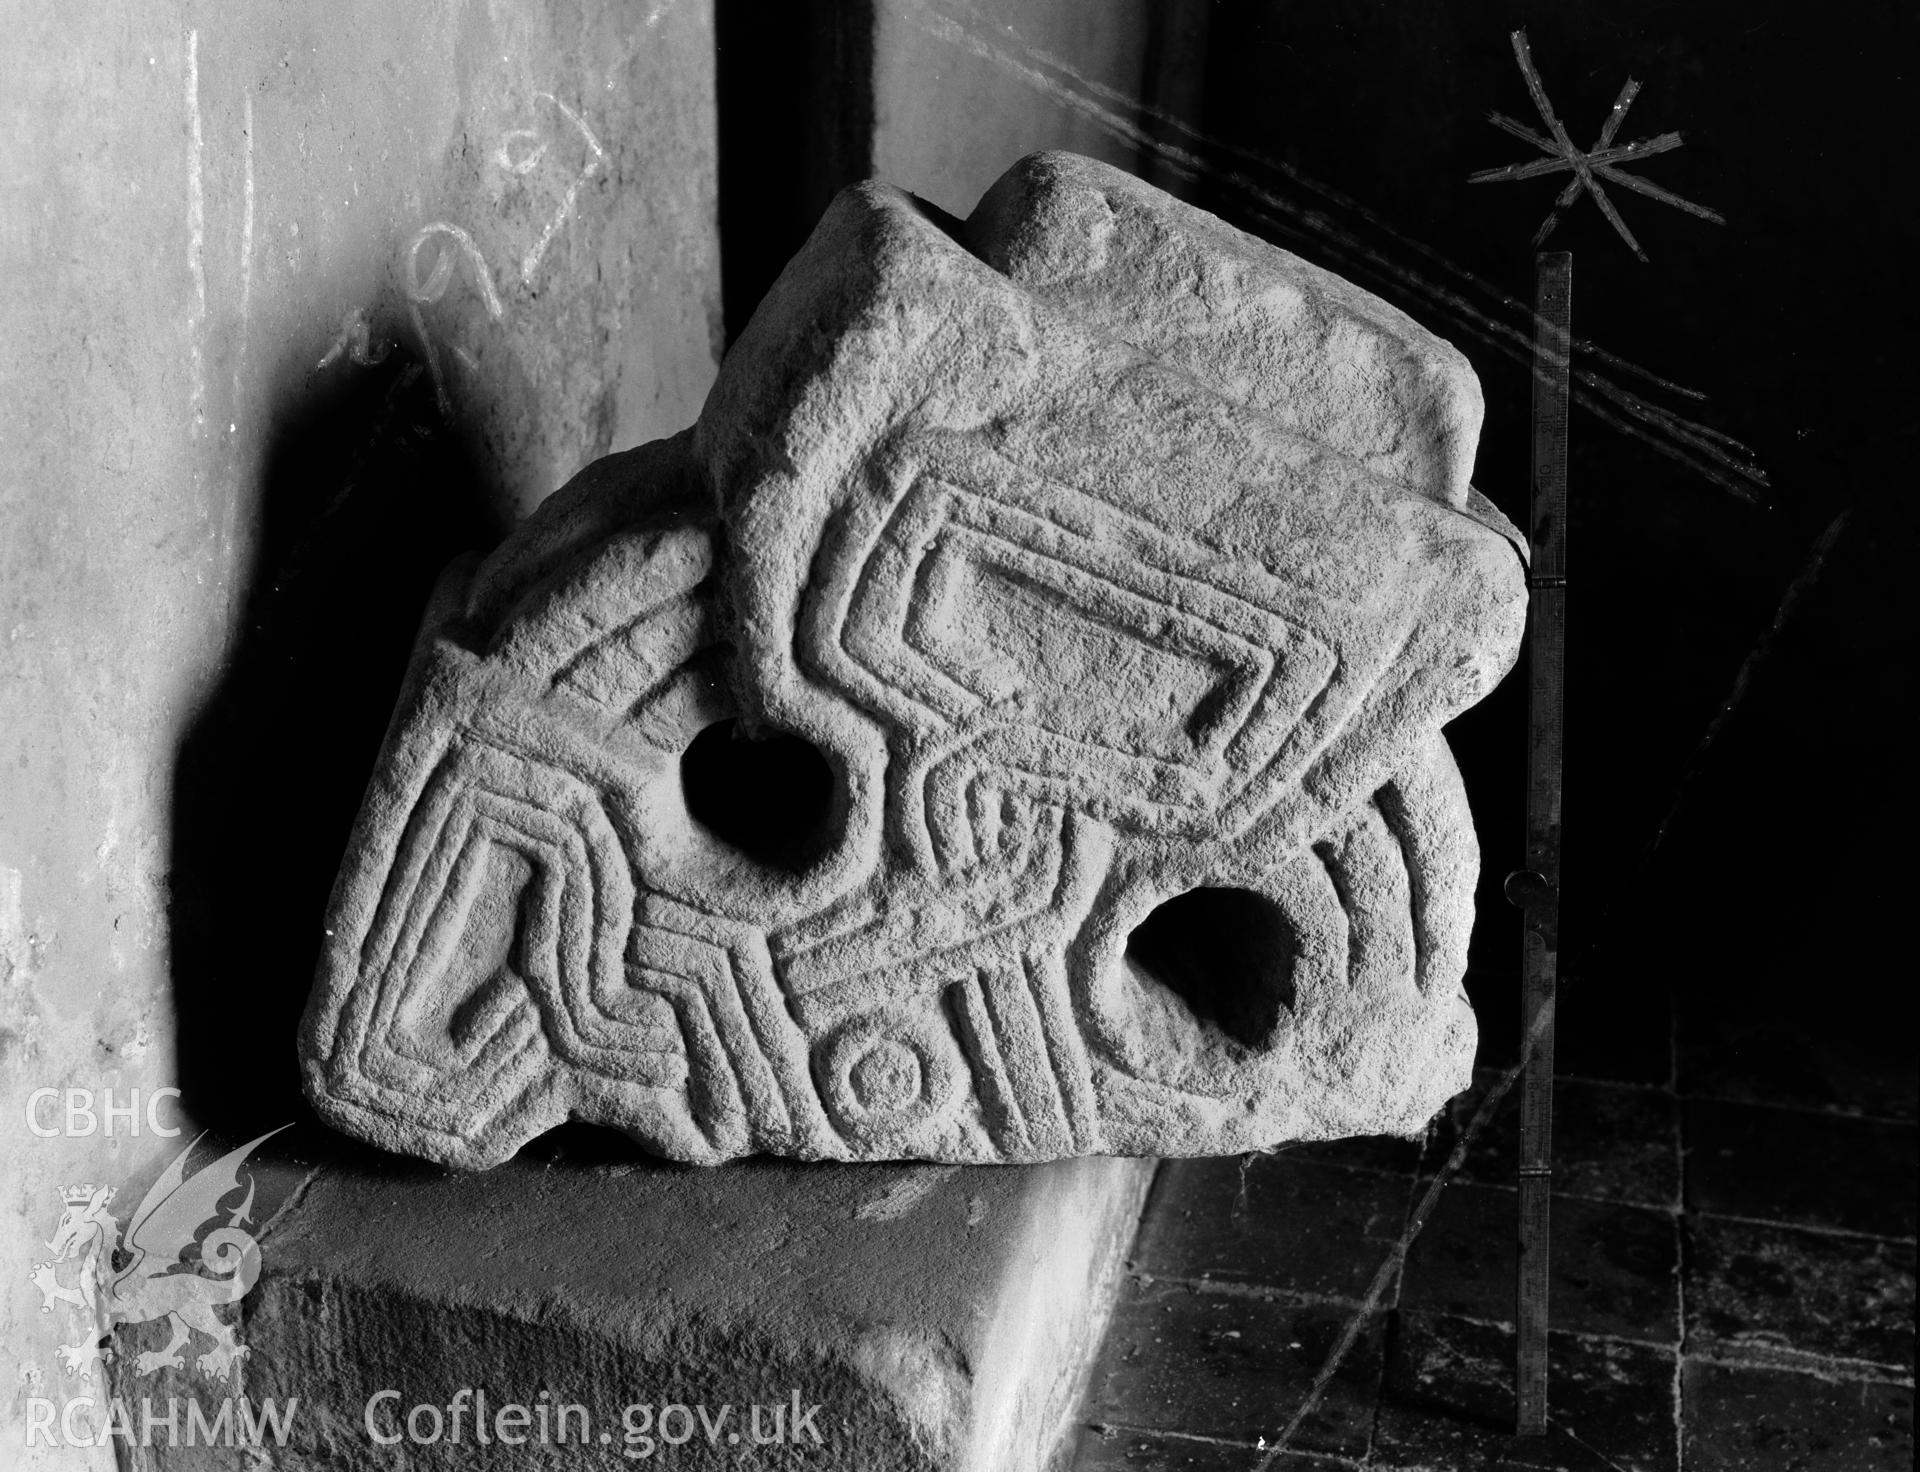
(1006, 726)
(889, 1318)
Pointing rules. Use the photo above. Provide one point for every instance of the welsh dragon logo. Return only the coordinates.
(156, 1272)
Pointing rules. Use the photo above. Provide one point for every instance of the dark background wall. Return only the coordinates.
(1740, 675)
(1783, 855)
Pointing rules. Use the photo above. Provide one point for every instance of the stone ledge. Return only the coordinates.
(942, 1316)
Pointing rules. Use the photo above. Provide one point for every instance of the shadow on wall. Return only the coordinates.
(791, 136)
(366, 494)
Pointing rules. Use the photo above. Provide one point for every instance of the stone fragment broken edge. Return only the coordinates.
(1105, 554)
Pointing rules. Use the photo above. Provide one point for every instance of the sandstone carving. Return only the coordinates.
(1006, 726)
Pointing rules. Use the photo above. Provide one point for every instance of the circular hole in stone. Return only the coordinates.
(1228, 954)
(768, 794)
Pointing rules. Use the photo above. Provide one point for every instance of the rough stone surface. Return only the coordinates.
(940, 1317)
(1326, 360)
(1087, 585)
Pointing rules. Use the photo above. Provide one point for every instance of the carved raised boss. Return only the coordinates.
(1115, 572)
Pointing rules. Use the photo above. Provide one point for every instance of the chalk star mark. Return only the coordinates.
(1602, 161)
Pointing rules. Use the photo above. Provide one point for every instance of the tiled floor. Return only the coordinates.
(1733, 1281)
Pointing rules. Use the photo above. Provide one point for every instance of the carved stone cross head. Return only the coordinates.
(1006, 726)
